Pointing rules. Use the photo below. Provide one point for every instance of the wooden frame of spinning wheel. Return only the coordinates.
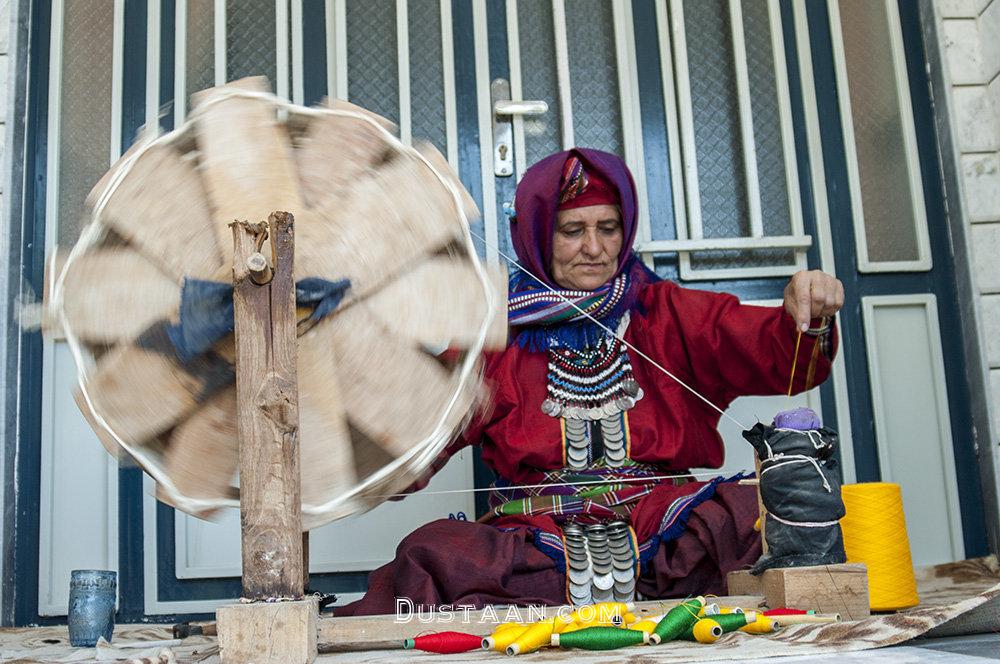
(277, 624)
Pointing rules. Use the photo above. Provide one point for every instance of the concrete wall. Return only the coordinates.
(6, 26)
(968, 34)
(970, 37)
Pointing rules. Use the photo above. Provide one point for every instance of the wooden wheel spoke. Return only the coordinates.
(245, 157)
(450, 317)
(162, 209)
(370, 358)
(112, 295)
(389, 220)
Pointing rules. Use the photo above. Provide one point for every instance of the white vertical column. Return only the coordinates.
(516, 86)
(220, 42)
(298, 59)
(403, 75)
(562, 72)
(180, 62)
(746, 117)
(485, 114)
(448, 76)
(152, 67)
(281, 87)
(686, 120)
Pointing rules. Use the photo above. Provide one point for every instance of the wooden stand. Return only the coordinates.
(268, 424)
(839, 589)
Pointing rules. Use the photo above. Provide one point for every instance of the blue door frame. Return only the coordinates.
(21, 525)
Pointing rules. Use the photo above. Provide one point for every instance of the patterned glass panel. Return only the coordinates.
(85, 116)
(372, 68)
(593, 73)
(251, 40)
(426, 73)
(539, 79)
(890, 226)
(771, 174)
(199, 58)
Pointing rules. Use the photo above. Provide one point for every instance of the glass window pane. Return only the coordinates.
(890, 226)
(539, 79)
(251, 40)
(372, 69)
(426, 73)
(199, 51)
(593, 73)
(771, 175)
(85, 110)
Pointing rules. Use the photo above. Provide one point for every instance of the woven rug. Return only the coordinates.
(956, 598)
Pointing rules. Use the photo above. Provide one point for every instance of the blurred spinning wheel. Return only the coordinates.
(376, 405)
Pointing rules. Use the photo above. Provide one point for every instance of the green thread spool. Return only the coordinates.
(678, 620)
(600, 638)
(730, 622)
(408, 644)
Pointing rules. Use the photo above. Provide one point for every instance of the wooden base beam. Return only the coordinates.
(268, 632)
(839, 589)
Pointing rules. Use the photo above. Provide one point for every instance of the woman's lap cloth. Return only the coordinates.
(460, 563)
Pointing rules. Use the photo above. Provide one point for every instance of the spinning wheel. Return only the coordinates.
(377, 401)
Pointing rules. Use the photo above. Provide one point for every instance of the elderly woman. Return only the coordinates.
(589, 435)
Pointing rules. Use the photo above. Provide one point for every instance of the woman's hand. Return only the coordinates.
(812, 294)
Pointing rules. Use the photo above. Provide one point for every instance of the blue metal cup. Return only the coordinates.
(92, 597)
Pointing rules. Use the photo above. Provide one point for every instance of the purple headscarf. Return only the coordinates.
(533, 228)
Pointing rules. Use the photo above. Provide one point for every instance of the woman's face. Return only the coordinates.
(586, 246)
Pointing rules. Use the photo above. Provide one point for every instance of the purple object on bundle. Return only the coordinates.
(800, 419)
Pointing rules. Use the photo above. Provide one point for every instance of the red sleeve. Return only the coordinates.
(735, 349)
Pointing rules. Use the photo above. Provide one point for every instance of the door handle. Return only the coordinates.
(503, 111)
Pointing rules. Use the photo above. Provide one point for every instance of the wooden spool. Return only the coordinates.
(375, 403)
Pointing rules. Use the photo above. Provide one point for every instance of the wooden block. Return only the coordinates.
(742, 582)
(839, 589)
(266, 632)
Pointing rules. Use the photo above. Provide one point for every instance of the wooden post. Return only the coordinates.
(267, 411)
(274, 563)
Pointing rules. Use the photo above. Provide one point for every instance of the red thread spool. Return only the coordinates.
(445, 643)
(785, 612)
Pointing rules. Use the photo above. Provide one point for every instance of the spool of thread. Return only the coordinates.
(678, 620)
(716, 610)
(502, 638)
(762, 625)
(533, 638)
(706, 630)
(875, 534)
(786, 612)
(445, 643)
(785, 621)
(646, 624)
(730, 622)
(600, 638)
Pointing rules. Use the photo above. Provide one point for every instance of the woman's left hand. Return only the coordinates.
(812, 294)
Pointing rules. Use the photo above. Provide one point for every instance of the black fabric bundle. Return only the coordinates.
(800, 488)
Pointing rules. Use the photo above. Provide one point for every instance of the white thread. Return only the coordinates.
(624, 480)
(804, 524)
(785, 459)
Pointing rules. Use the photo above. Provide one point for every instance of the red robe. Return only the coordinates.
(722, 349)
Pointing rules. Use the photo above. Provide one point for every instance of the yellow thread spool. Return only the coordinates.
(533, 638)
(706, 630)
(500, 639)
(875, 534)
(647, 625)
(762, 625)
